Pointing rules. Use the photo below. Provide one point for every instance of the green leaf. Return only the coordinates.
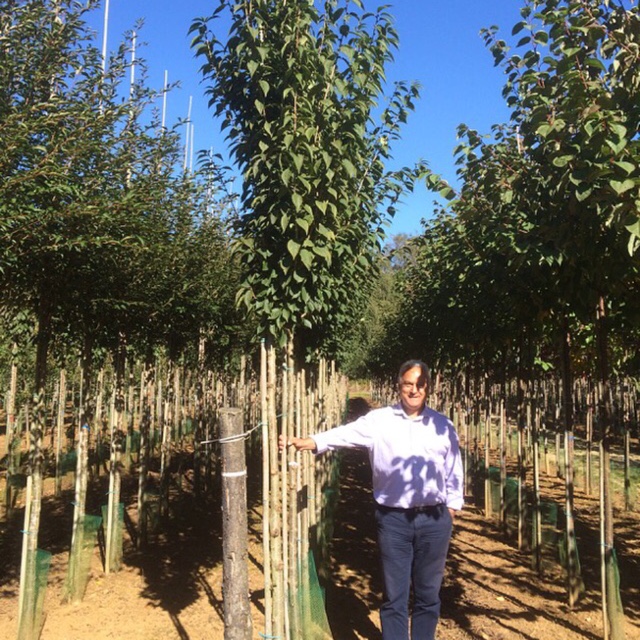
(544, 129)
(594, 63)
(325, 232)
(541, 37)
(303, 224)
(561, 161)
(296, 198)
(323, 252)
(307, 258)
(619, 129)
(622, 186)
(583, 191)
(293, 248)
(518, 27)
(627, 167)
(348, 165)
(634, 228)
(447, 193)
(297, 161)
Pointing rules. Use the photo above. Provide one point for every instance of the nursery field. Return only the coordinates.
(174, 589)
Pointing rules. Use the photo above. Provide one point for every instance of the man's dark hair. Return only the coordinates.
(411, 364)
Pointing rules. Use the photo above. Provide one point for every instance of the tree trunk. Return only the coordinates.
(113, 546)
(613, 614)
(503, 464)
(79, 512)
(574, 582)
(28, 613)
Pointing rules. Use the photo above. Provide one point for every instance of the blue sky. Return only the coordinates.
(440, 47)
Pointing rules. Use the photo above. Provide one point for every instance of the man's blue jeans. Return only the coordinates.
(413, 549)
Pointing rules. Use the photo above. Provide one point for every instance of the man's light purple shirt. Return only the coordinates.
(415, 461)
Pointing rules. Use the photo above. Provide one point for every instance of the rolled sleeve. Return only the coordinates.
(357, 434)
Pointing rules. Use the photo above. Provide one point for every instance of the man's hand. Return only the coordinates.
(300, 444)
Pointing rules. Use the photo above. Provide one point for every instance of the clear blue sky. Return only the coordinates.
(440, 47)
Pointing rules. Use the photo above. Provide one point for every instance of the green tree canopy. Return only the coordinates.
(300, 93)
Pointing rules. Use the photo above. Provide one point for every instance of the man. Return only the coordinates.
(417, 488)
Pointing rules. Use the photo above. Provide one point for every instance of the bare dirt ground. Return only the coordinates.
(173, 589)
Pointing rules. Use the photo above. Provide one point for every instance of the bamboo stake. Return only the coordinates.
(266, 504)
(302, 480)
(165, 453)
(62, 394)
(79, 507)
(487, 450)
(109, 536)
(10, 432)
(537, 543)
(275, 531)
(143, 458)
(503, 468)
(99, 419)
(285, 422)
(603, 560)
(25, 591)
(294, 534)
(28, 568)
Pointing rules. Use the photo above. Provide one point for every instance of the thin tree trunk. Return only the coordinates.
(503, 467)
(588, 444)
(27, 619)
(613, 615)
(113, 550)
(79, 512)
(574, 584)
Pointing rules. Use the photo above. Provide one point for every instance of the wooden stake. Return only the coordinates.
(237, 611)
(266, 504)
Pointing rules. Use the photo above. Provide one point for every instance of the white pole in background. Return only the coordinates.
(104, 36)
(186, 144)
(164, 99)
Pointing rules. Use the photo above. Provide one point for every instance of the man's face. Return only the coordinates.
(413, 391)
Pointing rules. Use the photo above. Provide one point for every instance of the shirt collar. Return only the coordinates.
(399, 411)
